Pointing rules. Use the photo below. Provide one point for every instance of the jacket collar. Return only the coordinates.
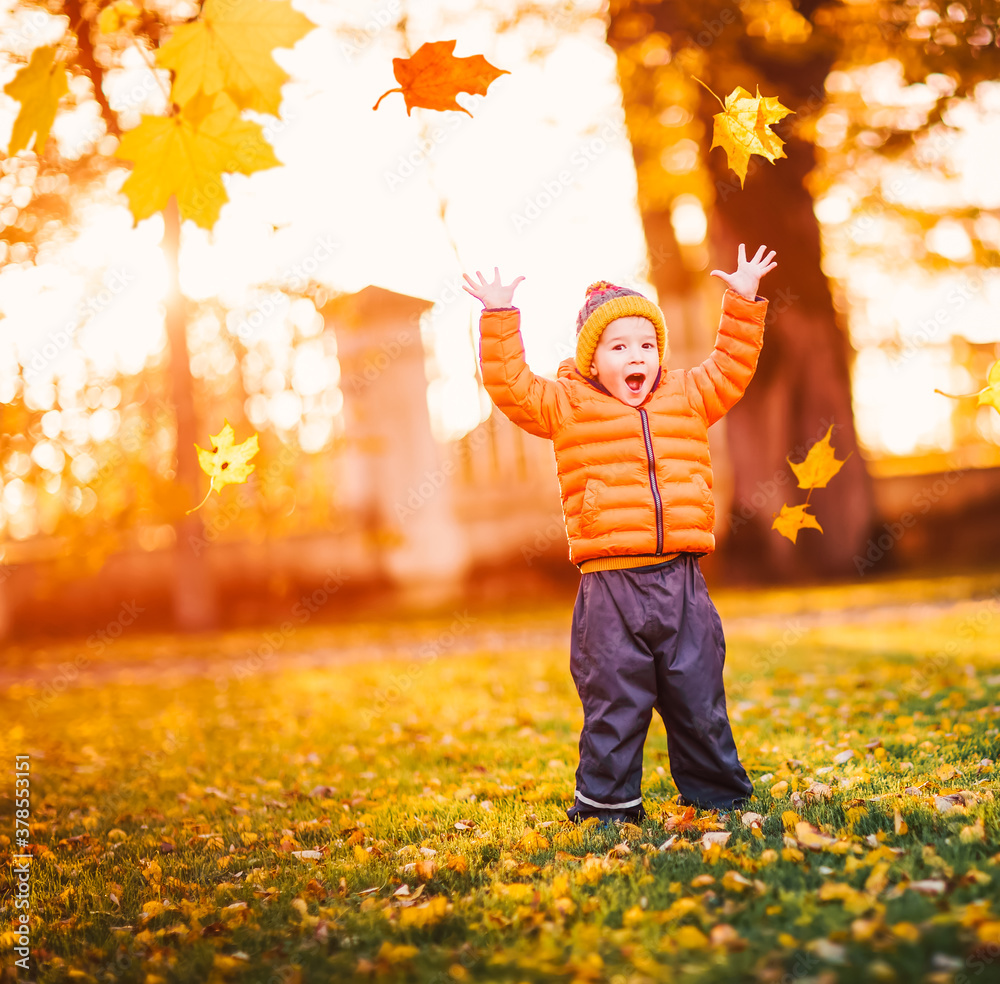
(568, 368)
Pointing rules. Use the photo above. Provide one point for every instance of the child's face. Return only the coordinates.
(626, 358)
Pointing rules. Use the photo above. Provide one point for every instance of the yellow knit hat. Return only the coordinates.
(605, 302)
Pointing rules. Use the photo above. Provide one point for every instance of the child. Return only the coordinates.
(631, 447)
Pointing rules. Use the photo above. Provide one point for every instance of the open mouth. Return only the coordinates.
(634, 381)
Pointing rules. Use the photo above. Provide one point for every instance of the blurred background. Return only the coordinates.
(325, 310)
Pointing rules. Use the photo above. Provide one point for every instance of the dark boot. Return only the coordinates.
(580, 812)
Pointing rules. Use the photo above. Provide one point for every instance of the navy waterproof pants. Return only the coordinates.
(645, 638)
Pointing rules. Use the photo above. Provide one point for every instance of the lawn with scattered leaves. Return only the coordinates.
(403, 818)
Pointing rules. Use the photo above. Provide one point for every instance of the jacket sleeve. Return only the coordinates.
(722, 378)
(535, 403)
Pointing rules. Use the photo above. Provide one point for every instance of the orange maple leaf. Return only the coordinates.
(682, 821)
(791, 519)
(819, 465)
(434, 76)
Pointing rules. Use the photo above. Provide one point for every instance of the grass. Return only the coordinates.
(261, 826)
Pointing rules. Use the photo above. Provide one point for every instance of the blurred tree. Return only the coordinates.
(788, 49)
(36, 212)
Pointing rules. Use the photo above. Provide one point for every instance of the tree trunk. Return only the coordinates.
(194, 601)
(801, 387)
(802, 383)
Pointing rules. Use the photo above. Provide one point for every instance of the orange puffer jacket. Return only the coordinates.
(634, 481)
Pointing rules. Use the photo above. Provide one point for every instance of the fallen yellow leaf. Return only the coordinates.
(812, 837)
(531, 841)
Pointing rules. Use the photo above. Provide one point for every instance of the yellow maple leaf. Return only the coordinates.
(789, 819)
(741, 129)
(811, 836)
(531, 841)
(153, 873)
(186, 154)
(38, 87)
(819, 465)
(227, 463)
(228, 47)
(690, 938)
(396, 953)
(421, 916)
(791, 519)
(946, 771)
(115, 14)
(990, 393)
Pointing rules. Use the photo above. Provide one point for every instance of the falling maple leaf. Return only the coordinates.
(791, 519)
(434, 76)
(186, 154)
(741, 129)
(38, 87)
(228, 47)
(819, 465)
(813, 472)
(988, 395)
(226, 463)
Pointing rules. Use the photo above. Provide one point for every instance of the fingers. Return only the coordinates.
(722, 275)
(759, 260)
(483, 283)
(742, 253)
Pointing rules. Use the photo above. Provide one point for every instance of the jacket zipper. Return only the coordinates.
(652, 480)
(649, 455)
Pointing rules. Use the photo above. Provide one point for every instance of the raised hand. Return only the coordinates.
(492, 295)
(748, 272)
